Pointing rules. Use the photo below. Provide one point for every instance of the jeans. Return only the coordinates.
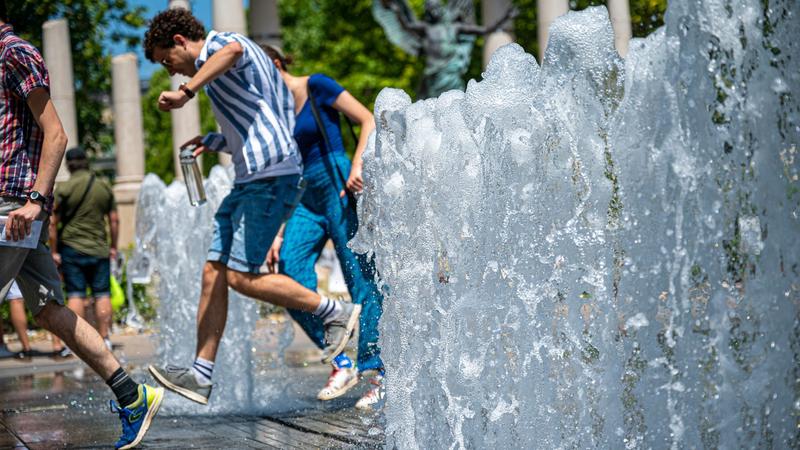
(322, 215)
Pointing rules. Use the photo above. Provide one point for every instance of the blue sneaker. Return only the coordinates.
(137, 416)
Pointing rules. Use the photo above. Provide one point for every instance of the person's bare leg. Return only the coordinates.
(80, 337)
(76, 305)
(102, 315)
(20, 322)
(277, 289)
(212, 313)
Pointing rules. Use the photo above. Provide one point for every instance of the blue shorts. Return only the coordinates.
(81, 271)
(249, 218)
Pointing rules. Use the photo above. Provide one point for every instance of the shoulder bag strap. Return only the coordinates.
(334, 170)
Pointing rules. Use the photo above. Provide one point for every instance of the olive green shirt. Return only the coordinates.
(86, 231)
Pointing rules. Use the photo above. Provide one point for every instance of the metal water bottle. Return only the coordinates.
(192, 176)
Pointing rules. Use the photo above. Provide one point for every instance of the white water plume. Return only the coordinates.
(598, 252)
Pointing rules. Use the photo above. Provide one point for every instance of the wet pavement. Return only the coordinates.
(46, 403)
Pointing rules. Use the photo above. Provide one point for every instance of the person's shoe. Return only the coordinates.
(25, 355)
(6, 353)
(64, 353)
(181, 381)
(339, 330)
(137, 417)
(108, 343)
(373, 399)
(339, 382)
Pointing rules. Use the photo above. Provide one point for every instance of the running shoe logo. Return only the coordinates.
(135, 416)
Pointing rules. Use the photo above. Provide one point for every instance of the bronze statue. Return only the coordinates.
(444, 38)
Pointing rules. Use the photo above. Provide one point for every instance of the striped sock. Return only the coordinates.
(327, 309)
(125, 389)
(203, 369)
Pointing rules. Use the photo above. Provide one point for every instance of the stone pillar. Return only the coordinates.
(186, 120)
(129, 139)
(619, 12)
(228, 16)
(548, 11)
(265, 24)
(58, 58)
(493, 10)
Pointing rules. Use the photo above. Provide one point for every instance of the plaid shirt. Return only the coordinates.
(21, 71)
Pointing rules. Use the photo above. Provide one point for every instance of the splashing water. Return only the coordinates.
(172, 240)
(597, 252)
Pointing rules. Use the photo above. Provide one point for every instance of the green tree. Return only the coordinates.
(92, 24)
(348, 45)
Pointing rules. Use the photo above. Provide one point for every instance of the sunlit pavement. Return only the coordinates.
(49, 403)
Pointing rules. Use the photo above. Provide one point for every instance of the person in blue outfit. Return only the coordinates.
(327, 211)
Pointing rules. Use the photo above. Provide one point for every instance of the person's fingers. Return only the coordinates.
(200, 149)
(341, 194)
(27, 227)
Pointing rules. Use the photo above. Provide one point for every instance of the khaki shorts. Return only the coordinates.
(34, 269)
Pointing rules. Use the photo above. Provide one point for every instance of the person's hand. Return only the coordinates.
(112, 254)
(18, 224)
(56, 258)
(197, 141)
(274, 254)
(169, 100)
(355, 182)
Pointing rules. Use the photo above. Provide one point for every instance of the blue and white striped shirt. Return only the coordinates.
(255, 111)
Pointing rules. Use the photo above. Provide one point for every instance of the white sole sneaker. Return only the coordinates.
(331, 392)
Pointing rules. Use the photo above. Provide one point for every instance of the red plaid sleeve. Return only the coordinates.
(25, 70)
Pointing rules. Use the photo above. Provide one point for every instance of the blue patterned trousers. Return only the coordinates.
(322, 215)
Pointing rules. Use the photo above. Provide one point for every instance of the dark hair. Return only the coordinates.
(166, 24)
(3, 11)
(275, 53)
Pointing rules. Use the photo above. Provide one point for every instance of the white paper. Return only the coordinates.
(30, 241)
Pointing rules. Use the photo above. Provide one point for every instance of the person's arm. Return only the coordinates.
(53, 238)
(217, 64)
(274, 253)
(113, 227)
(359, 114)
(480, 30)
(55, 142)
(412, 26)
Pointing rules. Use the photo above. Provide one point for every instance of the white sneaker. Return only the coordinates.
(339, 382)
(373, 399)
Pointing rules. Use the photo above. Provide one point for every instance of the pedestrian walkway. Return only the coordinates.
(47, 403)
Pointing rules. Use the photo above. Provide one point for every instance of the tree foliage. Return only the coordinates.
(348, 45)
(92, 24)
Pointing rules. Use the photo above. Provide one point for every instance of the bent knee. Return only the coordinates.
(236, 280)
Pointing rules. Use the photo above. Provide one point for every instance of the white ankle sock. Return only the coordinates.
(202, 369)
(327, 309)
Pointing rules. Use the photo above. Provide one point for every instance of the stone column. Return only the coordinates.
(186, 120)
(493, 10)
(129, 139)
(58, 58)
(229, 16)
(619, 12)
(265, 24)
(548, 11)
